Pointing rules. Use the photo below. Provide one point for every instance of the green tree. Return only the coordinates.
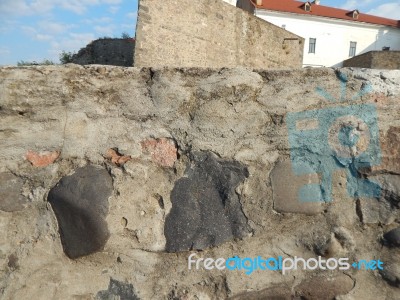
(125, 35)
(66, 57)
(45, 62)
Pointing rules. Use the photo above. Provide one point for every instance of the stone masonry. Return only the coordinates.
(110, 177)
(209, 33)
(375, 60)
(107, 51)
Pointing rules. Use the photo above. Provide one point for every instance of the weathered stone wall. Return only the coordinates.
(115, 52)
(375, 60)
(111, 177)
(209, 33)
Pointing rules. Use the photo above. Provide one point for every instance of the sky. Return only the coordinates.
(35, 30)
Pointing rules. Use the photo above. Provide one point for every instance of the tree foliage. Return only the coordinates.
(66, 57)
(45, 62)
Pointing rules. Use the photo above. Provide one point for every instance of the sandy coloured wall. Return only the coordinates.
(111, 177)
(209, 33)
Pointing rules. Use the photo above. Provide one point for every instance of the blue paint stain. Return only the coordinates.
(312, 150)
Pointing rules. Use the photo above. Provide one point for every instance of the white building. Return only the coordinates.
(331, 35)
(232, 2)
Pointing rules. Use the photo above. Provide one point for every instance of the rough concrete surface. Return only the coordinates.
(149, 166)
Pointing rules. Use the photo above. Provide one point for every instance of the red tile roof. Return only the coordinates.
(297, 7)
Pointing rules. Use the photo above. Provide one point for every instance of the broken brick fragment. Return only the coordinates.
(163, 151)
(116, 157)
(41, 159)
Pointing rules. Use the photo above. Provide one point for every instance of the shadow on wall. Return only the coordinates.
(116, 52)
(384, 39)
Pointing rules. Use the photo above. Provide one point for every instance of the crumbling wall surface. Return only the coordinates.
(111, 177)
(107, 51)
(209, 33)
(375, 60)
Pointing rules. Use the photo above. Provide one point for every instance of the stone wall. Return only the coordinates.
(108, 51)
(111, 177)
(209, 33)
(375, 60)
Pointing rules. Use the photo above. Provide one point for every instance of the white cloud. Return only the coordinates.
(114, 9)
(101, 20)
(70, 43)
(46, 30)
(43, 37)
(388, 10)
(106, 30)
(111, 1)
(13, 7)
(40, 7)
(54, 28)
(356, 4)
(132, 15)
(5, 51)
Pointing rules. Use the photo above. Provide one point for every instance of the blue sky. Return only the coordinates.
(34, 30)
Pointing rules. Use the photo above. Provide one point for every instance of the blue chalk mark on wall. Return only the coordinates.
(341, 137)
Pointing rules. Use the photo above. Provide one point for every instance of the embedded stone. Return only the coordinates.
(80, 203)
(324, 288)
(274, 293)
(391, 150)
(118, 290)
(116, 158)
(373, 211)
(391, 268)
(390, 188)
(206, 210)
(286, 187)
(41, 159)
(11, 198)
(163, 151)
(392, 237)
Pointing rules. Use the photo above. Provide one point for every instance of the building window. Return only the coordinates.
(311, 45)
(283, 26)
(307, 6)
(353, 47)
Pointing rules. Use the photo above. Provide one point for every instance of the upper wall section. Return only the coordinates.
(375, 60)
(116, 52)
(209, 33)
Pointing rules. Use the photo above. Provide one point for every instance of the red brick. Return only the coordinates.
(117, 158)
(163, 151)
(41, 159)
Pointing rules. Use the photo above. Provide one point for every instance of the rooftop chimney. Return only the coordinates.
(259, 2)
(316, 2)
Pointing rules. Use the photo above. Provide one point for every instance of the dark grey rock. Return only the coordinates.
(206, 210)
(110, 51)
(11, 198)
(392, 237)
(391, 188)
(80, 203)
(391, 267)
(118, 290)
